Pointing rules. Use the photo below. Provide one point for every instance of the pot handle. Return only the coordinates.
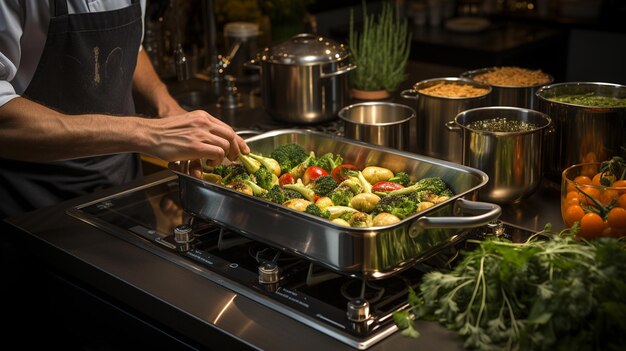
(252, 64)
(485, 213)
(451, 125)
(342, 70)
(405, 94)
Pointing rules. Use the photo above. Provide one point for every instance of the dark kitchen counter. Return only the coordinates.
(127, 297)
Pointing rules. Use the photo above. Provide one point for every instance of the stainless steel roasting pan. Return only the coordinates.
(368, 253)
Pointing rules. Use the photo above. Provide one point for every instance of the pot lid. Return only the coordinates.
(305, 49)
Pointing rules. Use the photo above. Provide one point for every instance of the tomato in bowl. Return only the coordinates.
(595, 198)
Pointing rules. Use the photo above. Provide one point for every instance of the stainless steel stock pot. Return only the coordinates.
(303, 79)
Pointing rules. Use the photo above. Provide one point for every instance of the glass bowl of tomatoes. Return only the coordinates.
(594, 195)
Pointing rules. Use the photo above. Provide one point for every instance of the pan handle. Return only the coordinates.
(485, 213)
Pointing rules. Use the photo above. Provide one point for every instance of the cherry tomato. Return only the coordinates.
(620, 184)
(339, 172)
(386, 186)
(591, 192)
(617, 218)
(596, 179)
(313, 172)
(573, 214)
(621, 201)
(607, 196)
(591, 225)
(286, 178)
(582, 180)
(572, 198)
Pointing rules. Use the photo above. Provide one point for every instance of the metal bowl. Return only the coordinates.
(379, 123)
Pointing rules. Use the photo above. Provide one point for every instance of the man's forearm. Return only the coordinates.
(147, 83)
(32, 132)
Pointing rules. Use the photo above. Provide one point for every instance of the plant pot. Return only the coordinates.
(370, 94)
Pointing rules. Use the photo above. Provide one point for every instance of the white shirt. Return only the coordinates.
(23, 32)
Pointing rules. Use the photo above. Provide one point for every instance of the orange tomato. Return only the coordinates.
(593, 192)
(621, 201)
(572, 198)
(591, 225)
(573, 214)
(596, 179)
(620, 184)
(617, 218)
(582, 180)
(608, 196)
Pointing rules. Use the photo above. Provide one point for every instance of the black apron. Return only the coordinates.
(86, 67)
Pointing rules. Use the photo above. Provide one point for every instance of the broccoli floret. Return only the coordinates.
(343, 212)
(324, 185)
(249, 163)
(401, 178)
(366, 187)
(360, 220)
(400, 206)
(289, 156)
(221, 170)
(279, 195)
(256, 190)
(269, 163)
(265, 178)
(433, 184)
(306, 192)
(328, 161)
(341, 195)
(298, 170)
(316, 211)
(234, 173)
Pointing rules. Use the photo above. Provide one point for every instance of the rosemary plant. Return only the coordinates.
(380, 50)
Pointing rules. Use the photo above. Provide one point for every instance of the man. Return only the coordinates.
(67, 119)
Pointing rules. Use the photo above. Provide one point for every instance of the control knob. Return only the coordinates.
(358, 310)
(268, 273)
(183, 234)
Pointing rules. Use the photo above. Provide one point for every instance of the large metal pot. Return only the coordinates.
(512, 160)
(582, 133)
(378, 123)
(432, 114)
(303, 79)
(509, 95)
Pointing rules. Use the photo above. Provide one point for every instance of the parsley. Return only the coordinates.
(554, 294)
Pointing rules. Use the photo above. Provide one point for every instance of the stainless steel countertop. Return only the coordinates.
(186, 302)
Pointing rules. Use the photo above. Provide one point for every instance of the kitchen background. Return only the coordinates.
(574, 40)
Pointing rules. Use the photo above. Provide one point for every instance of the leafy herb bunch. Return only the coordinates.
(555, 294)
(380, 50)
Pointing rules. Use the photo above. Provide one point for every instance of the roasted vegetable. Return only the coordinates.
(327, 161)
(364, 202)
(249, 163)
(374, 174)
(324, 185)
(264, 178)
(401, 206)
(298, 170)
(256, 189)
(269, 163)
(339, 172)
(360, 220)
(311, 173)
(306, 192)
(279, 195)
(435, 185)
(342, 195)
(316, 211)
(297, 204)
(401, 178)
(385, 186)
(289, 155)
(234, 173)
(384, 218)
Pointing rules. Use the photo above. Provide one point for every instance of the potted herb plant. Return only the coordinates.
(380, 51)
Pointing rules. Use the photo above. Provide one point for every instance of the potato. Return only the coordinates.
(384, 218)
(297, 204)
(374, 174)
(364, 202)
